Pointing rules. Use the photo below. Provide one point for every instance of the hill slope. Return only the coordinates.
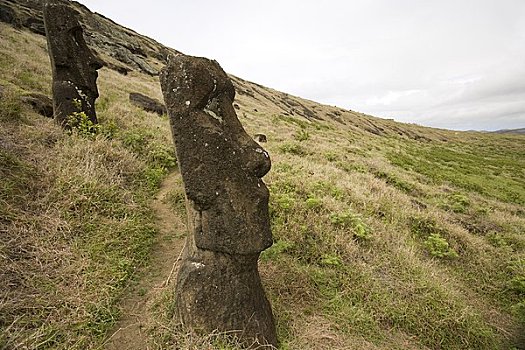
(510, 131)
(387, 235)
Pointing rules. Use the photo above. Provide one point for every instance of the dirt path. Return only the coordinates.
(130, 331)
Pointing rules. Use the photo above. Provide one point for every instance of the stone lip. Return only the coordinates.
(221, 164)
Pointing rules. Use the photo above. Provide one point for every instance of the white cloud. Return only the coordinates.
(448, 63)
(391, 97)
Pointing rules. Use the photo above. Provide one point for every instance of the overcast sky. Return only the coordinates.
(455, 64)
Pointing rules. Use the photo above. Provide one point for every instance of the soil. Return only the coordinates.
(130, 332)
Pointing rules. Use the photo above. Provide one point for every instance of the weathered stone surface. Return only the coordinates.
(35, 25)
(42, 104)
(74, 65)
(221, 165)
(125, 55)
(147, 103)
(217, 291)
(118, 68)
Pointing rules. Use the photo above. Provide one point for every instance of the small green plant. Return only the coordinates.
(327, 187)
(275, 250)
(283, 186)
(342, 219)
(519, 311)
(423, 227)
(136, 140)
(438, 247)
(331, 156)
(314, 203)
(393, 180)
(517, 285)
(108, 129)
(142, 143)
(331, 260)
(361, 230)
(282, 202)
(496, 239)
(352, 221)
(302, 135)
(80, 123)
(177, 200)
(459, 203)
(162, 156)
(153, 177)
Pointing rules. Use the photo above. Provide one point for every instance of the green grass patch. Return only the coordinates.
(293, 148)
(496, 173)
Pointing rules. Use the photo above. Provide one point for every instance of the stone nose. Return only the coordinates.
(258, 162)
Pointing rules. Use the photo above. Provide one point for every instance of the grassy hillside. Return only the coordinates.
(387, 235)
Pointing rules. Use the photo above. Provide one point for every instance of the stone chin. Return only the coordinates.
(232, 225)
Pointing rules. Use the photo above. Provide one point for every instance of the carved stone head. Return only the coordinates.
(220, 163)
(74, 65)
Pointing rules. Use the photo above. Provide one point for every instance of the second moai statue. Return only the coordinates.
(73, 64)
(218, 285)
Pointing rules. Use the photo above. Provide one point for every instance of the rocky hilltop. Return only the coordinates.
(124, 50)
(121, 48)
(510, 131)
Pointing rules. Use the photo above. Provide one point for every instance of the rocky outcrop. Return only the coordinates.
(40, 103)
(219, 287)
(73, 64)
(123, 49)
(147, 103)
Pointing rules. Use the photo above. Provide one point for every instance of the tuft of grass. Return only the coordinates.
(302, 135)
(10, 106)
(396, 182)
(352, 221)
(438, 246)
(293, 148)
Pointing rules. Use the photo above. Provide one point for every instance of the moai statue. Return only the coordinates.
(218, 285)
(74, 65)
